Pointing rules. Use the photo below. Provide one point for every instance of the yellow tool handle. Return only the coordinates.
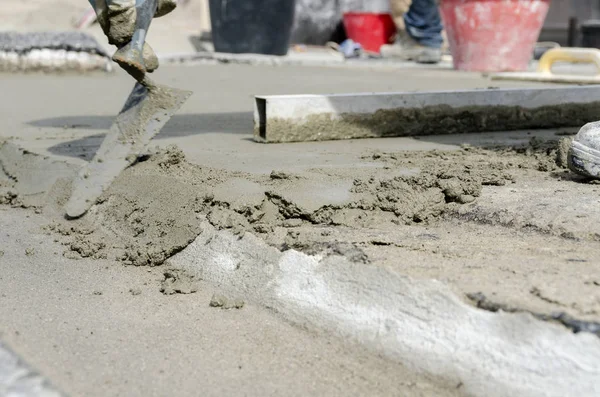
(572, 55)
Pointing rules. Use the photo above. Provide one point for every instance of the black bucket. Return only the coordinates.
(252, 26)
(590, 34)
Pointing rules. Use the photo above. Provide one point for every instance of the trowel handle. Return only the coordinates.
(146, 9)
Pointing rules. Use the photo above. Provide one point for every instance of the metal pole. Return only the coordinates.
(573, 33)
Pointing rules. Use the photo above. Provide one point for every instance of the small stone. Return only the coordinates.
(225, 303)
(217, 301)
(97, 293)
(29, 251)
(174, 283)
(294, 222)
(135, 291)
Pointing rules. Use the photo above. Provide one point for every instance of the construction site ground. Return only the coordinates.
(119, 302)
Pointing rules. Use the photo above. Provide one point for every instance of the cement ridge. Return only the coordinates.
(421, 323)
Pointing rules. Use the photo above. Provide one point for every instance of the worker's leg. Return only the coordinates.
(419, 31)
(424, 24)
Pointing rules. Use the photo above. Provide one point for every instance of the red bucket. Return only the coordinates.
(370, 30)
(493, 35)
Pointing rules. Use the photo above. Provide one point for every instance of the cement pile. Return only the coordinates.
(156, 207)
(411, 206)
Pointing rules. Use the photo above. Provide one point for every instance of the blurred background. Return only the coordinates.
(291, 25)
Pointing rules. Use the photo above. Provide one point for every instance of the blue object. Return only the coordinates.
(424, 24)
(350, 49)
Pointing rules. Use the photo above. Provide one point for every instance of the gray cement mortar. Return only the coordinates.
(90, 326)
(349, 236)
(416, 321)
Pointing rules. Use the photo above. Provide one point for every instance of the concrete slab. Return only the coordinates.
(358, 217)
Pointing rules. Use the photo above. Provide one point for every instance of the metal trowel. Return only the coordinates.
(145, 113)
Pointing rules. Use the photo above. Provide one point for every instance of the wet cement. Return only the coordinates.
(498, 216)
(400, 208)
(96, 328)
(428, 120)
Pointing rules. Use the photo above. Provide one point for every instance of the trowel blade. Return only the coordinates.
(145, 113)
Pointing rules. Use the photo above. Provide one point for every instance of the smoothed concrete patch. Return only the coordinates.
(18, 380)
(420, 323)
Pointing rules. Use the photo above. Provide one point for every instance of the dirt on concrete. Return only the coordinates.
(498, 220)
(483, 220)
(177, 282)
(411, 187)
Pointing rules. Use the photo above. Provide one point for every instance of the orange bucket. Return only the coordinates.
(493, 35)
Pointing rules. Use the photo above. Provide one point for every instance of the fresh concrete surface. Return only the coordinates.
(66, 116)
(528, 245)
(96, 328)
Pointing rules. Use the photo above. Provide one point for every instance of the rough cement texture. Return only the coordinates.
(347, 224)
(436, 120)
(156, 209)
(96, 328)
(289, 281)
